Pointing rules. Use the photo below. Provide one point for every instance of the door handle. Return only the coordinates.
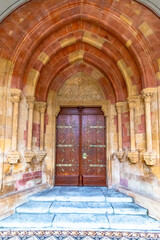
(84, 155)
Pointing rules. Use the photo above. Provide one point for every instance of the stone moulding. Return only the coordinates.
(133, 156)
(29, 156)
(41, 155)
(120, 155)
(150, 158)
(13, 157)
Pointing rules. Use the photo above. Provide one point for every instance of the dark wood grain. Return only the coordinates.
(81, 130)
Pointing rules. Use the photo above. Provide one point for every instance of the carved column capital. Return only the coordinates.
(132, 102)
(30, 101)
(15, 95)
(147, 94)
(42, 106)
(119, 107)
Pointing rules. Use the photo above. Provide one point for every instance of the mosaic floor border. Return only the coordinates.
(77, 235)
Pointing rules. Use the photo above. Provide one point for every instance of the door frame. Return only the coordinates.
(106, 108)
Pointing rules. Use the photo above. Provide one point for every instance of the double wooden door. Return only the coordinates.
(81, 147)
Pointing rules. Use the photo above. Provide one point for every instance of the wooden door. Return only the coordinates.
(81, 148)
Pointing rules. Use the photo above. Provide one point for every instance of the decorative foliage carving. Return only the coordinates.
(29, 156)
(41, 155)
(13, 157)
(150, 158)
(80, 87)
(120, 155)
(133, 156)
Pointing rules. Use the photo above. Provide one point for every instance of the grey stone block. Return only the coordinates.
(133, 222)
(80, 222)
(112, 195)
(128, 208)
(81, 207)
(93, 194)
(48, 195)
(27, 220)
(34, 207)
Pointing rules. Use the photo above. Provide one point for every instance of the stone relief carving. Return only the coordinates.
(80, 87)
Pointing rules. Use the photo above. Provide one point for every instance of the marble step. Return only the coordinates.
(128, 208)
(84, 194)
(81, 222)
(81, 207)
(102, 222)
(28, 220)
(112, 195)
(133, 222)
(65, 207)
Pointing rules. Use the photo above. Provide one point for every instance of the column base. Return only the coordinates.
(120, 155)
(29, 156)
(150, 158)
(41, 155)
(13, 157)
(133, 156)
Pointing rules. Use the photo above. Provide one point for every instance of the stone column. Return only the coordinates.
(150, 156)
(29, 155)
(133, 154)
(42, 107)
(120, 152)
(14, 155)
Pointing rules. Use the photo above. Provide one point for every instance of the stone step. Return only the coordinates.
(81, 207)
(128, 208)
(112, 195)
(133, 222)
(65, 207)
(80, 222)
(34, 207)
(27, 220)
(80, 194)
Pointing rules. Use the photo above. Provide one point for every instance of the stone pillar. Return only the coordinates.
(150, 156)
(14, 155)
(120, 152)
(29, 155)
(42, 107)
(133, 154)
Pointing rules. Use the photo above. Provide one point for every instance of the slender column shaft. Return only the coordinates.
(42, 132)
(42, 108)
(119, 111)
(15, 98)
(148, 126)
(30, 102)
(132, 105)
(147, 96)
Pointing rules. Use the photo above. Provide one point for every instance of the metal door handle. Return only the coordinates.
(84, 155)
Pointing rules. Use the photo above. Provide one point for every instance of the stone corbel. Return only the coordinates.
(13, 157)
(120, 155)
(29, 156)
(133, 156)
(40, 156)
(150, 156)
